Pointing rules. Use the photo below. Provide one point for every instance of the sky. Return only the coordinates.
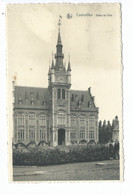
(92, 40)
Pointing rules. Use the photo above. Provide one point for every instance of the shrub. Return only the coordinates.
(60, 155)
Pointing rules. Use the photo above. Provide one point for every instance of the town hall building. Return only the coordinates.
(56, 115)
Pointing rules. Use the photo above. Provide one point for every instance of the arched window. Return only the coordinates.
(73, 121)
(82, 127)
(20, 134)
(21, 119)
(82, 121)
(42, 133)
(63, 93)
(61, 117)
(92, 121)
(92, 127)
(91, 134)
(32, 121)
(59, 94)
(32, 133)
(42, 120)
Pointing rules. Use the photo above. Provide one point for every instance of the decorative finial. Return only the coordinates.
(59, 23)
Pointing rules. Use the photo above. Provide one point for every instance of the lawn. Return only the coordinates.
(100, 170)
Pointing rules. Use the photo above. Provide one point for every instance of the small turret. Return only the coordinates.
(69, 71)
(52, 65)
(49, 76)
(69, 66)
(59, 55)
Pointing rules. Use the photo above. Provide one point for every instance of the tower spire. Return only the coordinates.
(59, 55)
(59, 36)
(69, 66)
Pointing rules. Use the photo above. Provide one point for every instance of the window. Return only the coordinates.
(32, 133)
(20, 101)
(63, 93)
(73, 121)
(73, 135)
(92, 121)
(91, 135)
(82, 121)
(59, 94)
(42, 133)
(32, 102)
(61, 117)
(89, 104)
(21, 119)
(32, 119)
(82, 127)
(20, 133)
(79, 103)
(72, 97)
(42, 120)
(31, 93)
(82, 133)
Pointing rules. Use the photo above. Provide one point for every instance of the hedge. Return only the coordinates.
(60, 155)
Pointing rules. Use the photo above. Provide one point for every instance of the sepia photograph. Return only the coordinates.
(64, 86)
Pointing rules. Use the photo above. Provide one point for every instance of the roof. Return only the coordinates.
(32, 97)
(82, 100)
(59, 39)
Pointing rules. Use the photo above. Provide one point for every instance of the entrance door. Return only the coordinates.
(61, 137)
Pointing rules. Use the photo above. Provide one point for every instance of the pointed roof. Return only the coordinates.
(59, 39)
(69, 66)
(52, 64)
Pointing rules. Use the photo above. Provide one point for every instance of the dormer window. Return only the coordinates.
(31, 93)
(44, 102)
(89, 104)
(79, 103)
(32, 101)
(20, 100)
(72, 97)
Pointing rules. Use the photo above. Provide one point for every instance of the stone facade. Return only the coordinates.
(56, 114)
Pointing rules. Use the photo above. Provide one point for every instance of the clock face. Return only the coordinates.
(61, 79)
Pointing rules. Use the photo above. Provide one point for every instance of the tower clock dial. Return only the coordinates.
(61, 79)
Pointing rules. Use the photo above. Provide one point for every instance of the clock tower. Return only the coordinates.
(59, 81)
